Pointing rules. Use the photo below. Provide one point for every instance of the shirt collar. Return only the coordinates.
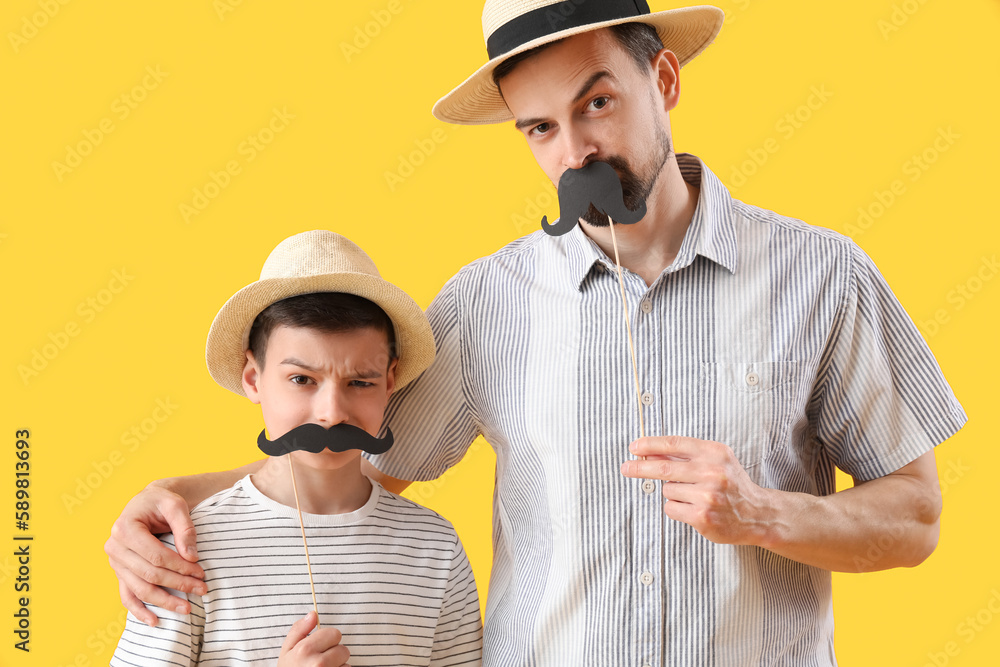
(711, 234)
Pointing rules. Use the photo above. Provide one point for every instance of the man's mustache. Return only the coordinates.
(314, 438)
(597, 187)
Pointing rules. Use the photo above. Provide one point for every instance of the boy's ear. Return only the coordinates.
(251, 376)
(390, 376)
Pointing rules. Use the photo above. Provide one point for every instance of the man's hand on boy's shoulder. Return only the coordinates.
(320, 649)
(143, 564)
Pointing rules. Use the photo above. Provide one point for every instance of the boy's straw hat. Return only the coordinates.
(514, 26)
(317, 261)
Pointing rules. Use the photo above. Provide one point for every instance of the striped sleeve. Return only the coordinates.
(458, 636)
(175, 641)
(431, 417)
(881, 400)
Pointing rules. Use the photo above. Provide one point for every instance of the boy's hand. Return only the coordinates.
(143, 564)
(320, 649)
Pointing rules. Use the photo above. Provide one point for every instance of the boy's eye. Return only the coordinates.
(300, 379)
(361, 383)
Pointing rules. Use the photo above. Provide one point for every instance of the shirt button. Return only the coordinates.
(646, 305)
(648, 486)
(753, 379)
(646, 578)
(647, 398)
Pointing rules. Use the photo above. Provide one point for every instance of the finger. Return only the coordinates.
(662, 469)
(175, 512)
(337, 656)
(153, 576)
(135, 605)
(123, 559)
(325, 639)
(677, 492)
(151, 594)
(133, 537)
(323, 643)
(683, 512)
(299, 630)
(665, 445)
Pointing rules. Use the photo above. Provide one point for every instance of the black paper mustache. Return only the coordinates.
(595, 183)
(314, 438)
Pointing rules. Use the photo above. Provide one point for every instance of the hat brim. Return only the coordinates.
(228, 339)
(686, 32)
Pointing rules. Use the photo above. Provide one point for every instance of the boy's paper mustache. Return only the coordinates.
(314, 438)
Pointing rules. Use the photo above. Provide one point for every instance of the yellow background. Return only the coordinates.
(893, 76)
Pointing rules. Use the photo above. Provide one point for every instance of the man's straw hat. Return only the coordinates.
(317, 261)
(515, 26)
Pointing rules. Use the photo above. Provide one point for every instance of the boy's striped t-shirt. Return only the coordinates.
(392, 576)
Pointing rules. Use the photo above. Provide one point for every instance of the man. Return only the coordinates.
(769, 354)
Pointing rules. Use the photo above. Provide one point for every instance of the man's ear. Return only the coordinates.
(667, 71)
(251, 376)
(390, 376)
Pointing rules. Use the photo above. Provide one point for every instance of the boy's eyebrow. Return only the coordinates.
(362, 374)
(292, 361)
(365, 375)
(584, 89)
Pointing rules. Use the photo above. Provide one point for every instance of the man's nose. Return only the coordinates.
(578, 148)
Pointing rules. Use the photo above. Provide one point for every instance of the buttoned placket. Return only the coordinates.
(648, 528)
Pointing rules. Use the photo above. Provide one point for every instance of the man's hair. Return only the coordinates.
(640, 40)
(330, 312)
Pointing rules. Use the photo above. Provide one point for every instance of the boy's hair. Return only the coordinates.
(330, 312)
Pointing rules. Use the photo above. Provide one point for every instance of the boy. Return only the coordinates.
(319, 339)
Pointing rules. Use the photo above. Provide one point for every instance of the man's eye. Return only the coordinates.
(541, 128)
(300, 379)
(599, 102)
(361, 383)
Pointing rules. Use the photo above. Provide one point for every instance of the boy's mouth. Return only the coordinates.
(314, 438)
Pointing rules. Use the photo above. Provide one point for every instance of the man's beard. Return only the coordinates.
(635, 189)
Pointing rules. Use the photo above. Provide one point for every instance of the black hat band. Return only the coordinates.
(558, 17)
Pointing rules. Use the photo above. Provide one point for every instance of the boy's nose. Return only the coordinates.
(331, 406)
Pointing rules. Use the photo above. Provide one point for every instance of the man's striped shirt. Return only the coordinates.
(779, 339)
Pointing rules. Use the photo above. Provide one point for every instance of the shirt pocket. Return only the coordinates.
(755, 405)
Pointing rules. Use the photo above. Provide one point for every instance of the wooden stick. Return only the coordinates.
(628, 329)
(305, 544)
